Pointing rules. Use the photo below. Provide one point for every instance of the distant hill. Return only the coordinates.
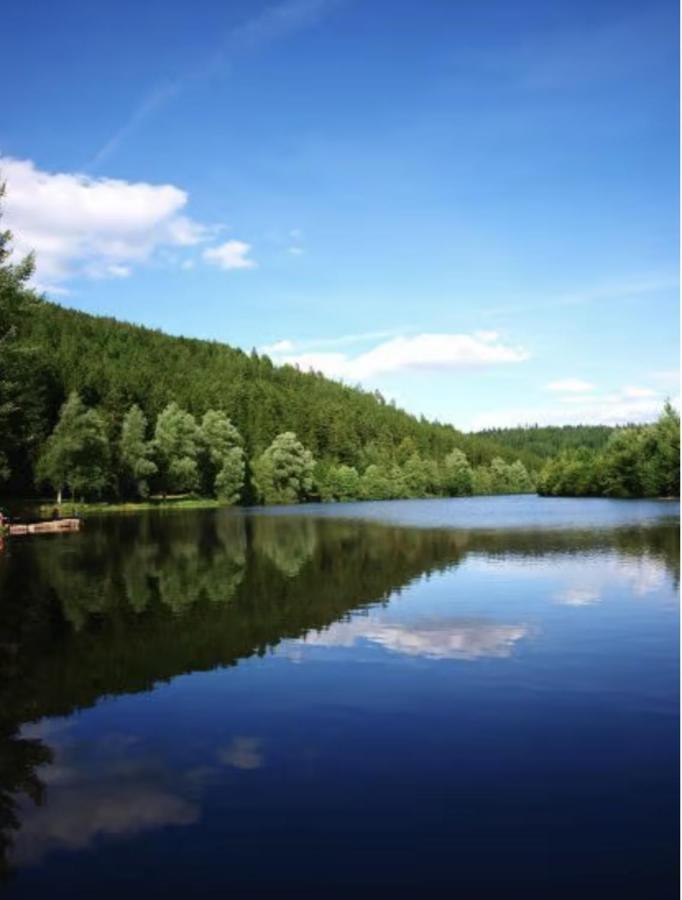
(114, 364)
(545, 441)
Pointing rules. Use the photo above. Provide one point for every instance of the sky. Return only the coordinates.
(471, 207)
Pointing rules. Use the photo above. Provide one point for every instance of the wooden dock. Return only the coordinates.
(49, 526)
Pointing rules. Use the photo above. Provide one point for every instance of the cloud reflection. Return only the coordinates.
(242, 753)
(102, 794)
(465, 639)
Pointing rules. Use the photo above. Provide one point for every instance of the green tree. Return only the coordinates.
(499, 476)
(176, 442)
(229, 481)
(338, 483)
(284, 472)
(482, 480)
(136, 451)
(76, 455)
(23, 378)
(414, 476)
(666, 434)
(376, 484)
(457, 475)
(224, 465)
(519, 481)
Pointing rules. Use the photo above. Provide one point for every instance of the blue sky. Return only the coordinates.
(469, 206)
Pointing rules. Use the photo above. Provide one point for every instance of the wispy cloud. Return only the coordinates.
(618, 290)
(275, 23)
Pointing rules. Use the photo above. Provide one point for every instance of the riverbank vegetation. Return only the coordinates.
(638, 461)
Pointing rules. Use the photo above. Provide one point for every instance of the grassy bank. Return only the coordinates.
(46, 510)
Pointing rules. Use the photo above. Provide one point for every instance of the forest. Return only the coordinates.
(93, 408)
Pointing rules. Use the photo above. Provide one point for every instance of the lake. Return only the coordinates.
(449, 698)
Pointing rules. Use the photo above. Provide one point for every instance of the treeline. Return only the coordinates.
(637, 461)
(207, 457)
(546, 441)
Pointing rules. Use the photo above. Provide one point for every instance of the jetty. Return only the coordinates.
(49, 526)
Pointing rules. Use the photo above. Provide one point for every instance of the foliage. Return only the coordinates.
(76, 454)
(638, 461)
(284, 472)
(136, 451)
(24, 381)
(546, 441)
(176, 442)
(223, 460)
(229, 481)
(337, 482)
(457, 475)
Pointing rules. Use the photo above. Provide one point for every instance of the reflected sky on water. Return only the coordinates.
(296, 704)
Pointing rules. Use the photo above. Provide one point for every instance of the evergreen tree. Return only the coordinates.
(23, 378)
(176, 442)
(76, 454)
(136, 451)
(284, 472)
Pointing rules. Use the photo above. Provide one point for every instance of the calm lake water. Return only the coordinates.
(466, 698)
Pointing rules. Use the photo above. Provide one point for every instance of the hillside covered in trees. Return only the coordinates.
(546, 441)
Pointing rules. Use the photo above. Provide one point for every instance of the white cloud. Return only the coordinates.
(418, 352)
(91, 227)
(616, 408)
(277, 347)
(296, 251)
(570, 386)
(230, 255)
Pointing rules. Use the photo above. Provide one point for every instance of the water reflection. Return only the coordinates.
(129, 603)
(439, 639)
(108, 788)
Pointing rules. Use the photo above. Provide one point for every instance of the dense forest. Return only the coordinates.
(93, 408)
(637, 461)
(545, 441)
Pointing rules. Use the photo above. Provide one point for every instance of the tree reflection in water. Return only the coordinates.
(133, 601)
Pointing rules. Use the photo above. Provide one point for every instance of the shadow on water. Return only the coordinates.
(130, 602)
